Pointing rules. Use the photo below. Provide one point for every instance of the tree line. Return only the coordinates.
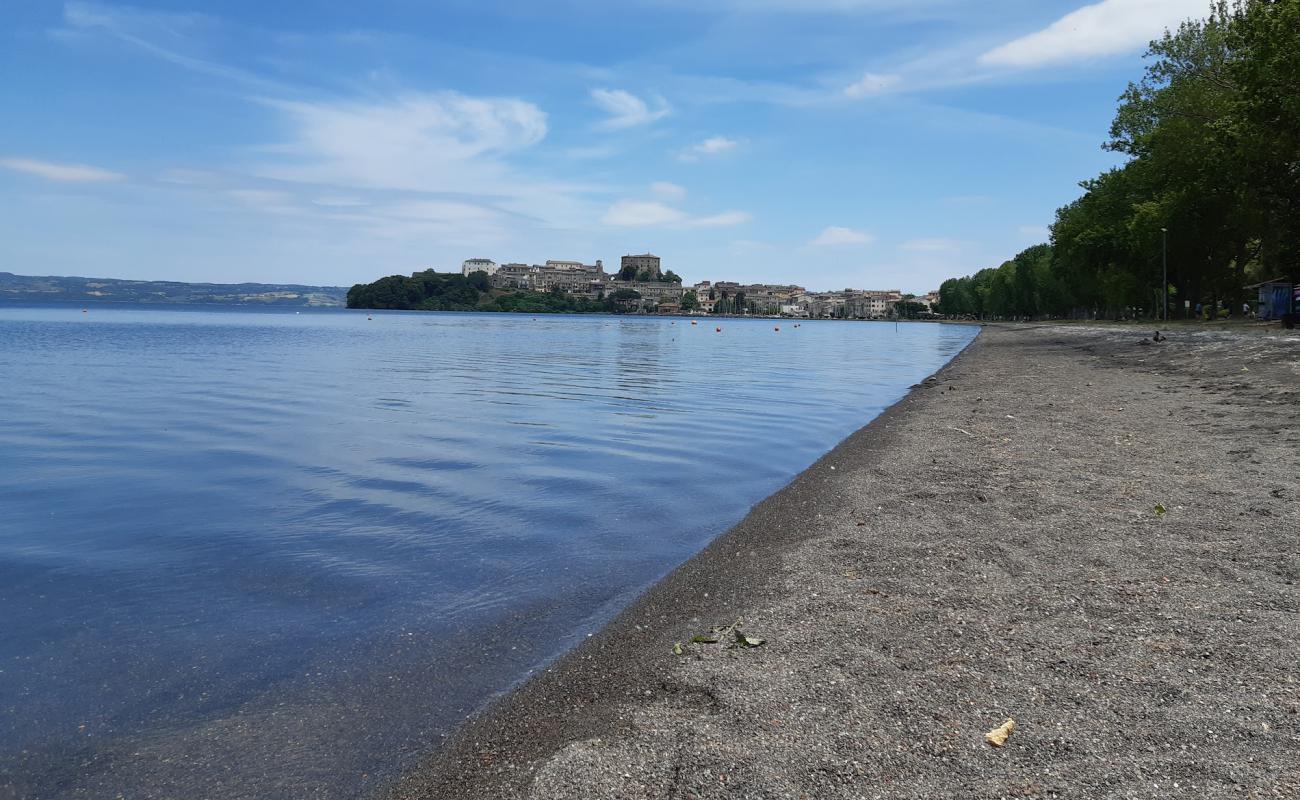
(1212, 138)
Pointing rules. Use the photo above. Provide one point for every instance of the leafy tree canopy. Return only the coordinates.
(1212, 134)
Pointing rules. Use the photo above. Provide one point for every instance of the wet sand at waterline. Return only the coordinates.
(1095, 537)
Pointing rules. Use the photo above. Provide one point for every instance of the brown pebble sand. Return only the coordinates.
(1097, 538)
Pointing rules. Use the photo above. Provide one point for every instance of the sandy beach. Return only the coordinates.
(1090, 535)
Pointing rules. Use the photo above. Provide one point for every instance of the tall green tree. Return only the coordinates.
(1211, 133)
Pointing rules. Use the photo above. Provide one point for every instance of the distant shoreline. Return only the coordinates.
(74, 289)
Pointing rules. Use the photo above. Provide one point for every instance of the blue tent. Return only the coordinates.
(1275, 298)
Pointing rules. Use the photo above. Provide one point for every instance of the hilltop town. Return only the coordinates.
(642, 284)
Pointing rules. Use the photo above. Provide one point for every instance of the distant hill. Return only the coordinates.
(114, 290)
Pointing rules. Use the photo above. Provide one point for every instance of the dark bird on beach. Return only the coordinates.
(1158, 337)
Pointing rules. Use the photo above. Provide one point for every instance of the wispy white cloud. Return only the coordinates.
(835, 236)
(1108, 28)
(445, 143)
(339, 201)
(668, 191)
(726, 218)
(266, 201)
(872, 83)
(626, 110)
(643, 213)
(654, 214)
(366, 147)
(440, 142)
(165, 35)
(55, 171)
(712, 146)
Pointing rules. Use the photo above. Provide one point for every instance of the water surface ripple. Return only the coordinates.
(268, 553)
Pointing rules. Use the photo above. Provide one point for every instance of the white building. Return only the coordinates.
(479, 265)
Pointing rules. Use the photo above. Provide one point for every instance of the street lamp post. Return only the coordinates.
(1164, 278)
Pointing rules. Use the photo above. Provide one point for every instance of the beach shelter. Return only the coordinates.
(1276, 298)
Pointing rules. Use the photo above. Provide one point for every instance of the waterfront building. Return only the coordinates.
(729, 297)
(573, 277)
(641, 264)
(724, 292)
(478, 265)
(849, 303)
(513, 276)
(570, 281)
(649, 290)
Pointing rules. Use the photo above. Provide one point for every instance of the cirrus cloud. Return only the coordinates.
(626, 110)
(1108, 28)
(654, 214)
(871, 84)
(668, 191)
(55, 171)
(712, 146)
(835, 236)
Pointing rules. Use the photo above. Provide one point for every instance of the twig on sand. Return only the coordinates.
(960, 430)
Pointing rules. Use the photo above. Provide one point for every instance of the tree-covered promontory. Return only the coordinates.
(452, 291)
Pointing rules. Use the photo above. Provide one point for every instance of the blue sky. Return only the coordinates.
(829, 143)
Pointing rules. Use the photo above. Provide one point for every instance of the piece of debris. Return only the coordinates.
(678, 650)
(1160, 510)
(731, 635)
(998, 736)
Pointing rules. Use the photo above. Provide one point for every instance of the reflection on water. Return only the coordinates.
(276, 553)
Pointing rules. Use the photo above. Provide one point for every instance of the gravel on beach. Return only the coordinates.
(1094, 536)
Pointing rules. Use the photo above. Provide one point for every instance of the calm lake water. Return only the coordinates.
(278, 554)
